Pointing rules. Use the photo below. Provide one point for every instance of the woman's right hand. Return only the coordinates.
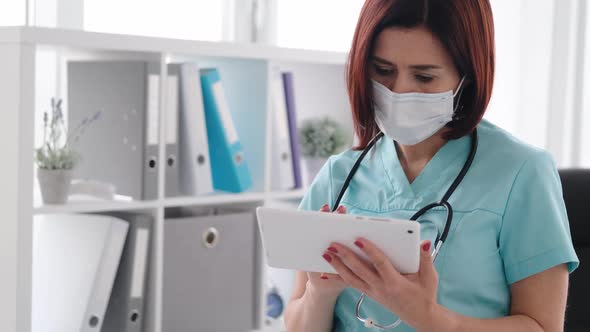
(326, 284)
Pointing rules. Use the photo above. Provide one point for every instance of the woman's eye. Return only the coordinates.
(383, 71)
(424, 78)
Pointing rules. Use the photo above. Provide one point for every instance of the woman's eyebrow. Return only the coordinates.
(415, 67)
(382, 61)
(425, 67)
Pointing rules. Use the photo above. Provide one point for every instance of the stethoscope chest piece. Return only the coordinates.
(369, 322)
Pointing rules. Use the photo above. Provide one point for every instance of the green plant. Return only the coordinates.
(321, 137)
(57, 150)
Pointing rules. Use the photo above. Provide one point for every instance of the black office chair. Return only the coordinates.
(576, 193)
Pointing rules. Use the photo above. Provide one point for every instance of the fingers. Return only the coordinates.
(380, 261)
(355, 263)
(345, 273)
(427, 270)
(326, 208)
(330, 276)
(323, 276)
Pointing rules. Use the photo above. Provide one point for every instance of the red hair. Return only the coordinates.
(465, 28)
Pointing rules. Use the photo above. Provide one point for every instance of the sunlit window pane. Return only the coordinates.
(585, 142)
(182, 19)
(317, 24)
(12, 12)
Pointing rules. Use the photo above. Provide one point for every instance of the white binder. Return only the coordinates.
(75, 260)
(195, 166)
(282, 165)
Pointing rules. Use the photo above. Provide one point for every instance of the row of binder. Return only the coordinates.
(90, 272)
(203, 150)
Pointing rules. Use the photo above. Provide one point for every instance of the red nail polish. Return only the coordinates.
(341, 209)
(332, 249)
(328, 258)
(324, 277)
(426, 246)
(359, 244)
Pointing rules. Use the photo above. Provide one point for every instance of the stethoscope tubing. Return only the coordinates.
(442, 203)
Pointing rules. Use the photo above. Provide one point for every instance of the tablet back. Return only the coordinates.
(296, 240)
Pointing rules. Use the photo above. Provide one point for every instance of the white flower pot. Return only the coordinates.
(54, 185)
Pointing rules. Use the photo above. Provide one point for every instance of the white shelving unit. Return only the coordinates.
(319, 88)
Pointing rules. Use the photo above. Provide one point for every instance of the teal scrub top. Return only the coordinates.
(509, 218)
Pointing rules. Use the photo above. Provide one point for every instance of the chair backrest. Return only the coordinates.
(576, 193)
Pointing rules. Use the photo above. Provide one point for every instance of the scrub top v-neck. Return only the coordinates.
(509, 218)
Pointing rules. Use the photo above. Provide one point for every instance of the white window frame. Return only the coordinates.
(579, 85)
(564, 128)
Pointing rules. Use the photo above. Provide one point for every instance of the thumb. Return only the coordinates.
(427, 270)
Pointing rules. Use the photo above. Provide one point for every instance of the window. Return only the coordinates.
(524, 42)
(312, 24)
(182, 19)
(584, 143)
(12, 12)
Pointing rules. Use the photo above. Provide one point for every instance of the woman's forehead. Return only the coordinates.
(411, 46)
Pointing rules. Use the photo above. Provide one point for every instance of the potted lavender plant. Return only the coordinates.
(56, 158)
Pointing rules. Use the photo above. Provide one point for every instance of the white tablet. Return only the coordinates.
(296, 240)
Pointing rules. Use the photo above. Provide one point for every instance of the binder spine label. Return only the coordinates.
(228, 125)
(139, 262)
(152, 109)
(172, 108)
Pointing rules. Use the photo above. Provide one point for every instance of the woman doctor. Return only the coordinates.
(421, 73)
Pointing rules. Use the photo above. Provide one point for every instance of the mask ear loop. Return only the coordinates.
(459, 88)
(458, 92)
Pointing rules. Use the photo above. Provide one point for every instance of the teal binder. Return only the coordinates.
(229, 168)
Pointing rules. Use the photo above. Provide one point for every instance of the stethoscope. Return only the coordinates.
(369, 322)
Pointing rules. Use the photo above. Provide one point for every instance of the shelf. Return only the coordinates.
(116, 42)
(287, 195)
(95, 206)
(277, 326)
(270, 329)
(215, 199)
(109, 206)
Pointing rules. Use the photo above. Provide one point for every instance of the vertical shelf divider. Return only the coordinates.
(155, 302)
(17, 65)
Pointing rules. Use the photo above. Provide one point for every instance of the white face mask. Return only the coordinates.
(410, 118)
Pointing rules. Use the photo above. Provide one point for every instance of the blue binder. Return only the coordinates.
(229, 168)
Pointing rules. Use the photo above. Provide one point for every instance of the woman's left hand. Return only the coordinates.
(411, 297)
